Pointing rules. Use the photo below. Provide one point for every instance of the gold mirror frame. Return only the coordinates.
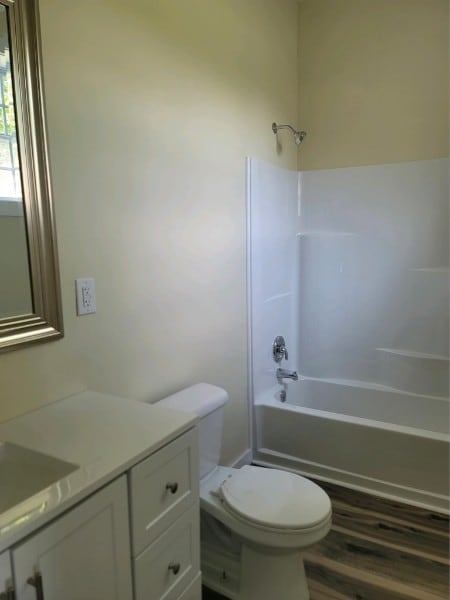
(45, 323)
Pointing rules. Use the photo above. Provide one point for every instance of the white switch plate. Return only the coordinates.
(85, 291)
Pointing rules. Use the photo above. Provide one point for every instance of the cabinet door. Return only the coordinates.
(5, 575)
(83, 555)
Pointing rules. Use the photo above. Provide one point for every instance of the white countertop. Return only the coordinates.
(104, 435)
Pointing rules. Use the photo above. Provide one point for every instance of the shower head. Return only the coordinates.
(299, 136)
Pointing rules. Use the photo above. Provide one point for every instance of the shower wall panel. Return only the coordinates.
(273, 225)
(373, 272)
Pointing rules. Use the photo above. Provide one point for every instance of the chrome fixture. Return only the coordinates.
(279, 349)
(283, 395)
(299, 136)
(285, 374)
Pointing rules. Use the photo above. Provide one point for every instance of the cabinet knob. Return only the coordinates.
(174, 567)
(37, 583)
(172, 486)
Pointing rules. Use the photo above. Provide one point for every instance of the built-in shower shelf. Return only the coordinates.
(412, 354)
(278, 297)
(327, 234)
(431, 270)
(370, 385)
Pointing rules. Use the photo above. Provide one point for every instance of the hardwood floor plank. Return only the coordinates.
(393, 565)
(321, 591)
(208, 594)
(400, 536)
(419, 517)
(383, 526)
(331, 581)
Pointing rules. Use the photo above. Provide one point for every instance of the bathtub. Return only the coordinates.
(336, 430)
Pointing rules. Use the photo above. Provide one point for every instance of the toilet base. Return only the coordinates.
(254, 574)
(266, 575)
(243, 561)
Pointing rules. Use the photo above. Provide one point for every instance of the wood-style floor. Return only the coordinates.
(377, 549)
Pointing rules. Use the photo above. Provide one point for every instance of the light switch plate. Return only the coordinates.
(85, 292)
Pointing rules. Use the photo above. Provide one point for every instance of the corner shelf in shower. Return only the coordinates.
(327, 234)
(277, 297)
(444, 270)
(370, 385)
(413, 354)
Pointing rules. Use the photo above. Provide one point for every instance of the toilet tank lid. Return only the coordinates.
(200, 399)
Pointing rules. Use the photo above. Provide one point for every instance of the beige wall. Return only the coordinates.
(373, 81)
(152, 107)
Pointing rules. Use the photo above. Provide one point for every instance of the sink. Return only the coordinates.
(24, 473)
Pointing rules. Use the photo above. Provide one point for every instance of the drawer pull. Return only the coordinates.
(173, 487)
(174, 567)
(37, 583)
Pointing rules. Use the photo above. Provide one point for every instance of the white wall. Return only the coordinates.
(152, 107)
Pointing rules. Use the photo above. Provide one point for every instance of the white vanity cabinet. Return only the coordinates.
(83, 555)
(6, 587)
(130, 530)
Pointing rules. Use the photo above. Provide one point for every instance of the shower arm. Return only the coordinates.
(299, 136)
(276, 127)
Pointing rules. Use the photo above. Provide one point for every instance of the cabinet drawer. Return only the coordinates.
(194, 590)
(164, 569)
(162, 487)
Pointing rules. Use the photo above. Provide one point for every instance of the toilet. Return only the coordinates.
(255, 521)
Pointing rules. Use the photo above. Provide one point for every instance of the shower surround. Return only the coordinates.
(350, 265)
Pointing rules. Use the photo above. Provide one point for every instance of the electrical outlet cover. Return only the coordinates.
(85, 293)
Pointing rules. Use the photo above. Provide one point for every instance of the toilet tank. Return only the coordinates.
(207, 402)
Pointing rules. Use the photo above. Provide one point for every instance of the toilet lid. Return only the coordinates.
(275, 498)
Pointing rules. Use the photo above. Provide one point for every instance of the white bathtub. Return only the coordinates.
(337, 430)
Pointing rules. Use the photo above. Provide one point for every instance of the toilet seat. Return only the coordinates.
(274, 500)
(264, 532)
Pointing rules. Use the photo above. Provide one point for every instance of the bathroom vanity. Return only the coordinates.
(118, 514)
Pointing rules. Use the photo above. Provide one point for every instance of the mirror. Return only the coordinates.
(30, 304)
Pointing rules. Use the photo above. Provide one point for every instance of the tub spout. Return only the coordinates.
(285, 374)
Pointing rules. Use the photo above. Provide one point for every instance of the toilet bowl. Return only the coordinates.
(255, 521)
(267, 506)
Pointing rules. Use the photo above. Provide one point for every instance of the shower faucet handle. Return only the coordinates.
(279, 349)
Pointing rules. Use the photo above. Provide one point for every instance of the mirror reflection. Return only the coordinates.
(15, 289)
